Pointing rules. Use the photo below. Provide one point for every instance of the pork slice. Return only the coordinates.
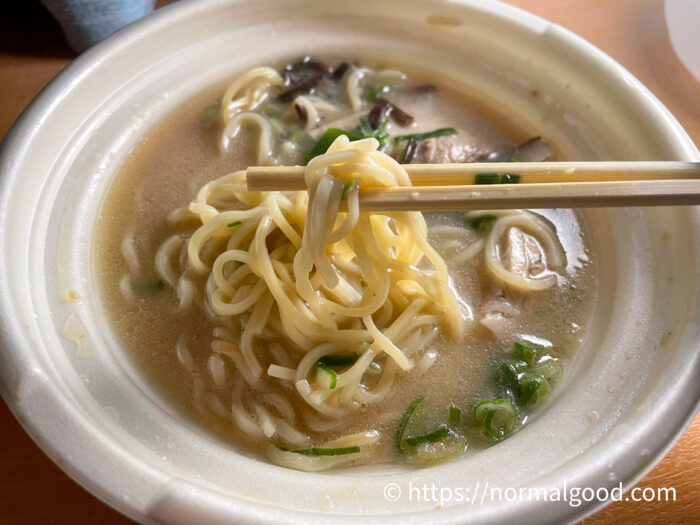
(499, 310)
(534, 150)
(523, 254)
(453, 148)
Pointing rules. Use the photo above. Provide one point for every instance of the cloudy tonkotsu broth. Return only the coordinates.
(519, 285)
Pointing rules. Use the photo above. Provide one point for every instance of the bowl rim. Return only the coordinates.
(17, 144)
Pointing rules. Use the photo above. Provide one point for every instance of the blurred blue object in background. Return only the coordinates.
(86, 22)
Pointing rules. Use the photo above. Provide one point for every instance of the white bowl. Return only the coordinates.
(629, 394)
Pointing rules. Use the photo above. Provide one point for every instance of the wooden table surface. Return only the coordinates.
(32, 51)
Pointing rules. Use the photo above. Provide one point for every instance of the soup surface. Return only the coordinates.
(461, 391)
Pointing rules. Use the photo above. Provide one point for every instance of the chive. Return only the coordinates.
(365, 127)
(441, 132)
(481, 223)
(349, 185)
(454, 415)
(403, 422)
(497, 418)
(366, 130)
(237, 223)
(314, 451)
(381, 134)
(533, 388)
(526, 351)
(438, 434)
(160, 285)
(338, 360)
(327, 139)
(330, 373)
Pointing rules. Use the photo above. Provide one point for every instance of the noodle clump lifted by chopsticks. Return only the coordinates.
(296, 278)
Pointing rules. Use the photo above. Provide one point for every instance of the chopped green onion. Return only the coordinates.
(487, 178)
(376, 91)
(403, 422)
(497, 418)
(436, 435)
(441, 132)
(496, 178)
(454, 415)
(327, 139)
(526, 351)
(481, 223)
(528, 387)
(533, 388)
(443, 449)
(338, 360)
(330, 374)
(237, 223)
(314, 451)
(547, 367)
(511, 370)
(349, 185)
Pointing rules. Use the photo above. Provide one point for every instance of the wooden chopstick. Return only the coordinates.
(283, 178)
(537, 195)
(444, 187)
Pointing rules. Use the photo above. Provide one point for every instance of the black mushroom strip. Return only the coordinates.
(340, 71)
(301, 112)
(396, 113)
(410, 152)
(377, 115)
(305, 76)
(383, 109)
(302, 78)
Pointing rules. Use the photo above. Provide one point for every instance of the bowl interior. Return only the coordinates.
(627, 394)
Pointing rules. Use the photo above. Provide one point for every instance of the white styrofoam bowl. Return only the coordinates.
(628, 395)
